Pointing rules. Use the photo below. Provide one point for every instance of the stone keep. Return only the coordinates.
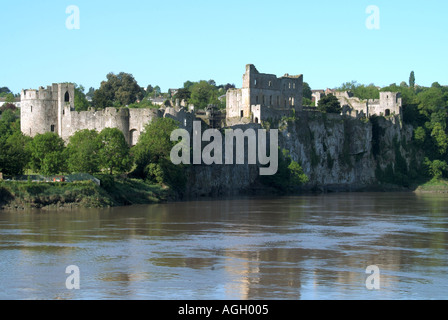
(42, 110)
(264, 96)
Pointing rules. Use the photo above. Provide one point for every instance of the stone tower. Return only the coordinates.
(390, 103)
(264, 96)
(42, 110)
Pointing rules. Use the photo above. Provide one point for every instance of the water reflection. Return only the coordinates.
(308, 247)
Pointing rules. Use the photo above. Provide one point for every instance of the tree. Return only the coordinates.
(432, 100)
(14, 155)
(182, 94)
(121, 89)
(361, 91)
(412, 80)
(189, 84)
(203, 94)
(307, 93)
(81, 103)
(114, 151)
(420, 135)
(4, 91)
(149, 89)
(91, 92)
(152, 154)
(10, 98)
(46, 154)
(289, 175)
(440, 136)
(436, 167)
(157, 91)
(82, 152)
(329, 104)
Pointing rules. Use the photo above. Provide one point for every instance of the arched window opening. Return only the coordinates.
(387, 112)
(134, 137)
(67, 97)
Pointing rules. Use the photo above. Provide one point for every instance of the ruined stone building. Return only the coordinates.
(263, 96)
(389, 103)
(53, 110)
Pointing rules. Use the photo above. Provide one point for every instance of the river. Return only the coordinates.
(286, 248)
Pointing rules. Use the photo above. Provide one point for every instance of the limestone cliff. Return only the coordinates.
(337, 153)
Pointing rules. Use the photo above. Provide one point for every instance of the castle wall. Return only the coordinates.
(95, 120)
(390, 103)
(52, 110)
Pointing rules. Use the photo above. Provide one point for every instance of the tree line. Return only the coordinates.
(90, 151)
(122, 90)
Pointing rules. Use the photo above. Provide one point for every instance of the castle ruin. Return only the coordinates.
(263, 96)
(389, 104)
(53, 110)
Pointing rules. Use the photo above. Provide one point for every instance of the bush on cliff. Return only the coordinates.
(289, 176)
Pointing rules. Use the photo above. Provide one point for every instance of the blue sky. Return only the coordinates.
(169, 42)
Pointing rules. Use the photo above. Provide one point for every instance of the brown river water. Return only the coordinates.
(285, 248)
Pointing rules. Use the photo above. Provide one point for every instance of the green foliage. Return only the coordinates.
(203, 94)
(4, 91)
(412, 80)
(81, 103)
(121, 89)
(182, 94)
(329, 104)
(152, 155)
(83, 152)
(307, 93)
(436, 168)
(440, 137)
(307, 102)
(420, 135)
(144, 104)
(289, 176)
(9, 98)
(14, 155)
(46, 154)
(360, 91)
(114, 151)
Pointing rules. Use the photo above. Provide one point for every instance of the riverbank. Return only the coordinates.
(433, 186)
(18, 195)
(115, 191)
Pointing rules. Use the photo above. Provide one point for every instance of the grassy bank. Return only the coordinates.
(113, 192)
(433, 186)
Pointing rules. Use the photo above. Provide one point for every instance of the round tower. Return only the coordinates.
(38, 112)
(42, 110)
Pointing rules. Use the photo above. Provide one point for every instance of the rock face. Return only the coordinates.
(333, 150)
(337, 153)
